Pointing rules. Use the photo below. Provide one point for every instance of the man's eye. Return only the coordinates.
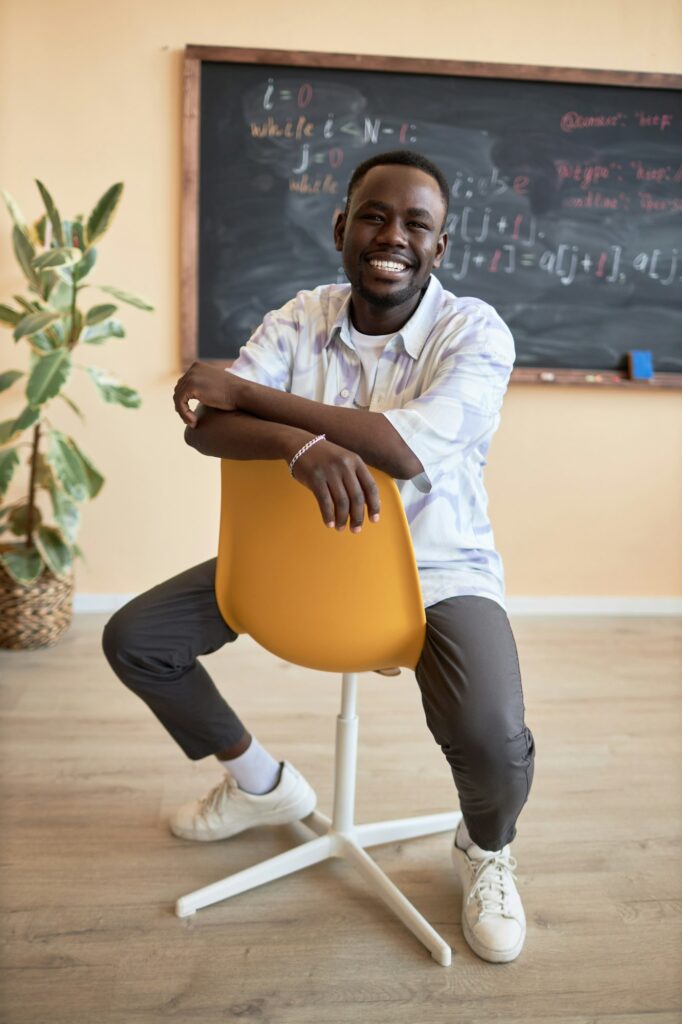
(418, 224)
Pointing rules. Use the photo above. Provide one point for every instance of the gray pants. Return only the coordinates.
(468, 675)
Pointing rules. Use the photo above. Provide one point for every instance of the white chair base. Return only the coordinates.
(340, 837)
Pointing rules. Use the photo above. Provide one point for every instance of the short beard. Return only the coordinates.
(390, 300)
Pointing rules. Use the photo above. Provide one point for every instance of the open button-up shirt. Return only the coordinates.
(440, 382)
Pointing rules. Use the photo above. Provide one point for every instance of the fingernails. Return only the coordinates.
(375, 517)
(330, 525)
(355, 529)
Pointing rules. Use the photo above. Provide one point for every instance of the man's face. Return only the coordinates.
(391, 236)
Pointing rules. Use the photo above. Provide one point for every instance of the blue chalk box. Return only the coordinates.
(640, 364)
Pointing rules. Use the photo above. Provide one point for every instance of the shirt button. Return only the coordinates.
(345, 393)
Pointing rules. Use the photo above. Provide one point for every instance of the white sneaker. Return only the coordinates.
(493, 920)
(227, 810)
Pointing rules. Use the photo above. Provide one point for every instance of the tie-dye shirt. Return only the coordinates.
(440, 382)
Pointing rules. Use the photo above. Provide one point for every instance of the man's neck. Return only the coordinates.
(370, 319)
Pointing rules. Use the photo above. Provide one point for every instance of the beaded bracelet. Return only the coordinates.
(300, 452)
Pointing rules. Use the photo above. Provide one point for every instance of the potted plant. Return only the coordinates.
(39, 528)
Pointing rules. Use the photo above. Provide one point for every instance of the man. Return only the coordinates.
(392, 372)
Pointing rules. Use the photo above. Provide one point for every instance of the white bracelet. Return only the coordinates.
(300, 452)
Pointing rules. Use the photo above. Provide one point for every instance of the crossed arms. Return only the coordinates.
(238, 419)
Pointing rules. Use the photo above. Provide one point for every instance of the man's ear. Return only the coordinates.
(339, 228)
(441, 247)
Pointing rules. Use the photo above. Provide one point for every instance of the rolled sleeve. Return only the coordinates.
(459, 408)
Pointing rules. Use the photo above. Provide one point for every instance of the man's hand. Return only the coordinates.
(342, 484)
(209, 385)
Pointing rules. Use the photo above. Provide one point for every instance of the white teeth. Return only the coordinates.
(387, 265)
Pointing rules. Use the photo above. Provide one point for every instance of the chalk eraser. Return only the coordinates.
(640, 365)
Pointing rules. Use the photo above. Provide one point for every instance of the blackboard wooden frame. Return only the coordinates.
(195, 54)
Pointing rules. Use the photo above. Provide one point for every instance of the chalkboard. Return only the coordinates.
(566, 196)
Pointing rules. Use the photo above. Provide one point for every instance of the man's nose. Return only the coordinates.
(392, 232)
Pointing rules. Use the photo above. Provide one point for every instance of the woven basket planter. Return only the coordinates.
(35, 614)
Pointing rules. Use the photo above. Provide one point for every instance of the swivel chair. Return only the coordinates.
(332, 601)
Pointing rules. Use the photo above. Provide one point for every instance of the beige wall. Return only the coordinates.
(585, 486)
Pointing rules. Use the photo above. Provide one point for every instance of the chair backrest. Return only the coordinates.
(314, 596)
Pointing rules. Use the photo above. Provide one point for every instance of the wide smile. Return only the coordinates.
(388, 266)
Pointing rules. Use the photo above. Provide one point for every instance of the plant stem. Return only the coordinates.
(72, 340)
(32, 487)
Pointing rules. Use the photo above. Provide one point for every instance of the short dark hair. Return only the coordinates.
(405, 158)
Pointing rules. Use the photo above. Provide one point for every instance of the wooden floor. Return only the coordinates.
(90, 873)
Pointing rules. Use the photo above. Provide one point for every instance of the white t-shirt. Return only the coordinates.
(368, 347)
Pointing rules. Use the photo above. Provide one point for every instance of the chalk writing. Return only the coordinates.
(572, 121)
(314, 186)
(270, 128)
(660, 121)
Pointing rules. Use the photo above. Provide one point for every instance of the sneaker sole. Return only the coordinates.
(493, 956)
(282, 816)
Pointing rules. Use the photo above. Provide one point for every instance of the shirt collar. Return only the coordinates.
(413, 334)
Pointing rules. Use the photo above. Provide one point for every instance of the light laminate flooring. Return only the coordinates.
(90, 873)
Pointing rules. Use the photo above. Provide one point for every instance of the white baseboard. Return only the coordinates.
(517, 606)
(88, 603)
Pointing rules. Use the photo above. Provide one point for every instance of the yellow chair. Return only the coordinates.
(331, 601)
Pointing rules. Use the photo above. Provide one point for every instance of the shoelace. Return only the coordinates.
(490, 883)
(216, 796)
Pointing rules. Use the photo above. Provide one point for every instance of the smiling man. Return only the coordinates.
(394, 372)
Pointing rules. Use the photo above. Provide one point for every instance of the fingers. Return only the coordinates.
(371, 492)
(326, 503)
(342, 485)
(351, 492)
(181, 399)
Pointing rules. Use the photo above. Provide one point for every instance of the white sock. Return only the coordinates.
(255, 771)
(463, 840)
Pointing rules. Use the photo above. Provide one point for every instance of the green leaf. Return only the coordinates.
(100, 218)
(32, 323)
(71, 404)
(41, 343)
(112, 390)
(107, 329)
(66, 513)
(14, 211)
(9, 429)
(9, 460)
(37, 230)
(99, 313)
(6, 430)
(49, 375)
(9, 315)
(94, 477)
(68, 467)
(7, 379)
(28, 418)
(54, 550)
(24, 565)
(133, 300)
(30, 307)
(61, 295)
(85, 265)
(53, 214)
(18, 519)
(56, 258)
(24, 252)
